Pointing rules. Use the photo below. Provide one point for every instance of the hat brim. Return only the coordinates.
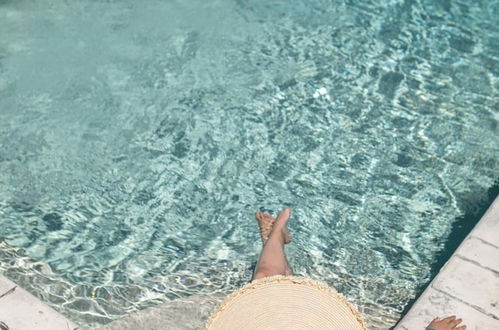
(285, 302)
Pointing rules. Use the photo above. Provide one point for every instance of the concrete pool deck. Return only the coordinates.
(19, 310)
(466, 286)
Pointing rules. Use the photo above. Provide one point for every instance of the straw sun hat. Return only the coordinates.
(285, 302)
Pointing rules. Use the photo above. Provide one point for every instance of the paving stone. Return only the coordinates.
(481, 252)
(488, 227)
(6, 285)
(21, 311)
(468, 284)
(433, 303)
(471, 283)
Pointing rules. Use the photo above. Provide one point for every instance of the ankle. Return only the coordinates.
(277, 235)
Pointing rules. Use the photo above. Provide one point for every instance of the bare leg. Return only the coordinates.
(272, 260)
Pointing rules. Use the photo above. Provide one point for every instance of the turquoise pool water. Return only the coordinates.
(138, 138)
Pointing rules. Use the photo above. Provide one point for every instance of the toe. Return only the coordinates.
(258, 216)
(267, 217)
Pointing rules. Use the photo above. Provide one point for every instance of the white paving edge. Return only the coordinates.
(472, 267)
(20, 310)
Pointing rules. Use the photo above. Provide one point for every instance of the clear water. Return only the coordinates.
(138, 138)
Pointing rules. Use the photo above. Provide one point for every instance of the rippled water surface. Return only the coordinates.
(137, 138)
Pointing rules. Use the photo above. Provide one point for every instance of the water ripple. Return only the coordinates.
(137, 141)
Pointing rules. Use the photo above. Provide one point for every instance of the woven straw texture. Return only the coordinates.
(285, 302)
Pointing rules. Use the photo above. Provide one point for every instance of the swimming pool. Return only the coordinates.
(137, 140)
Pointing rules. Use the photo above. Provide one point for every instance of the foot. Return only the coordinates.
(448, 323)
(265, 223)
(281, 225)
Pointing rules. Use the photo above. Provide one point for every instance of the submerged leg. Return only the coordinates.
(272, 260)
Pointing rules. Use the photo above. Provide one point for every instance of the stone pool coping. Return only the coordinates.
(20, 310)
(468, 284)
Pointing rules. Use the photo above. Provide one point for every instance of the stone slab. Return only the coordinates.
(488, 227)
(480, 252)
(181, 314)
(440, 304)
(467, 281)
(6, 285)
(20, 310)
(468, 284)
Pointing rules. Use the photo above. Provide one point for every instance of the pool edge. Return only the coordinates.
(467, 285)
(20, 310)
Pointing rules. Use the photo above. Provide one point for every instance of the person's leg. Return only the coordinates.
(272, 260)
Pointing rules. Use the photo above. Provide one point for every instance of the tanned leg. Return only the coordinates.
(272, 260)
